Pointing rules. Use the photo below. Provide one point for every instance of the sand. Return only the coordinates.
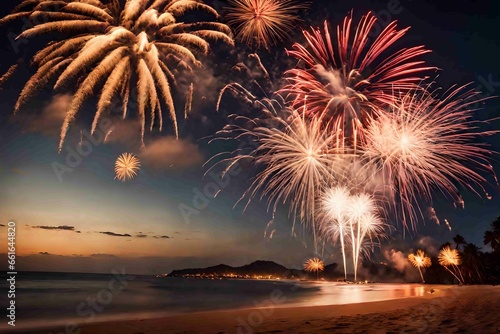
(466, 309)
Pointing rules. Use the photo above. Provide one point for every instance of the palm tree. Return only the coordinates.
(445, 245)
(472, 261)
(458, 240)
(492, 237)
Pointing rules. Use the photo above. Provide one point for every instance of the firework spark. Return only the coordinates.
(264, 23)
(347, 78)
(126, 167)
(449, 257)
(103, 47)
(419, 260)
(314, 264)
(427, 145)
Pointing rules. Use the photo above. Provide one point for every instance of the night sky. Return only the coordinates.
(84, 220)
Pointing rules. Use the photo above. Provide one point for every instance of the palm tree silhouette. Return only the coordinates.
(492, 238)
(458, 240)
(472, 262)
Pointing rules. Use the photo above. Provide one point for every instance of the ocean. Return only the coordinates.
(56, 298)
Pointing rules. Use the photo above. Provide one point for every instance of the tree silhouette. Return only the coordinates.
(472, 263)
(492, 238)
(458, 240)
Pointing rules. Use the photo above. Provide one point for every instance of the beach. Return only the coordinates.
(459, 309)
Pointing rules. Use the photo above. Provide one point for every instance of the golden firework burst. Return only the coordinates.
(264, 22)
(118, 49)
(126, 167)
(451, 258)
(419, 260)
(314, 264)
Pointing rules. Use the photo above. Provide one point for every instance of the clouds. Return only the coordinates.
(159, 154)
(102, 255)
(170, 152)
(139, 235)
(113, 234)
(152, 235)
(50, 120)
(57, 228)
(69, 228)
(126, 132)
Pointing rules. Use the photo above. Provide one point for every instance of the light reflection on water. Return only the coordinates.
(341, 293)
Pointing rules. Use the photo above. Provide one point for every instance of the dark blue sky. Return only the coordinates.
(465, 45)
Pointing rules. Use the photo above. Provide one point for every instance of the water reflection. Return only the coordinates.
(341, 293)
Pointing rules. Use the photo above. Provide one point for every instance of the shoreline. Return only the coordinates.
(438, 311)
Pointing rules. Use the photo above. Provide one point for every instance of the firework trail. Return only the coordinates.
(336, 221)
(263, 23)
(255, 72)
(450, 258)
(314, 264)
(104, 47)
(447, 224)
(426, 145)
(419, 260)
(347, 78)
(364, 222)
(126, 167)
(352, 219)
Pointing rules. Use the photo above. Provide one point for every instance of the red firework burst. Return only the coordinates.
(354, 75)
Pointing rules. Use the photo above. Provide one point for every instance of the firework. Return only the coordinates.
(364, 221)
(450, 258)
(264, 22)
(296, 157)
(106, 46)
(419, 260)
(345, 79)
(336, 220)
(426, 145)
(353, 219)
(314, 265)
(126, 167)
